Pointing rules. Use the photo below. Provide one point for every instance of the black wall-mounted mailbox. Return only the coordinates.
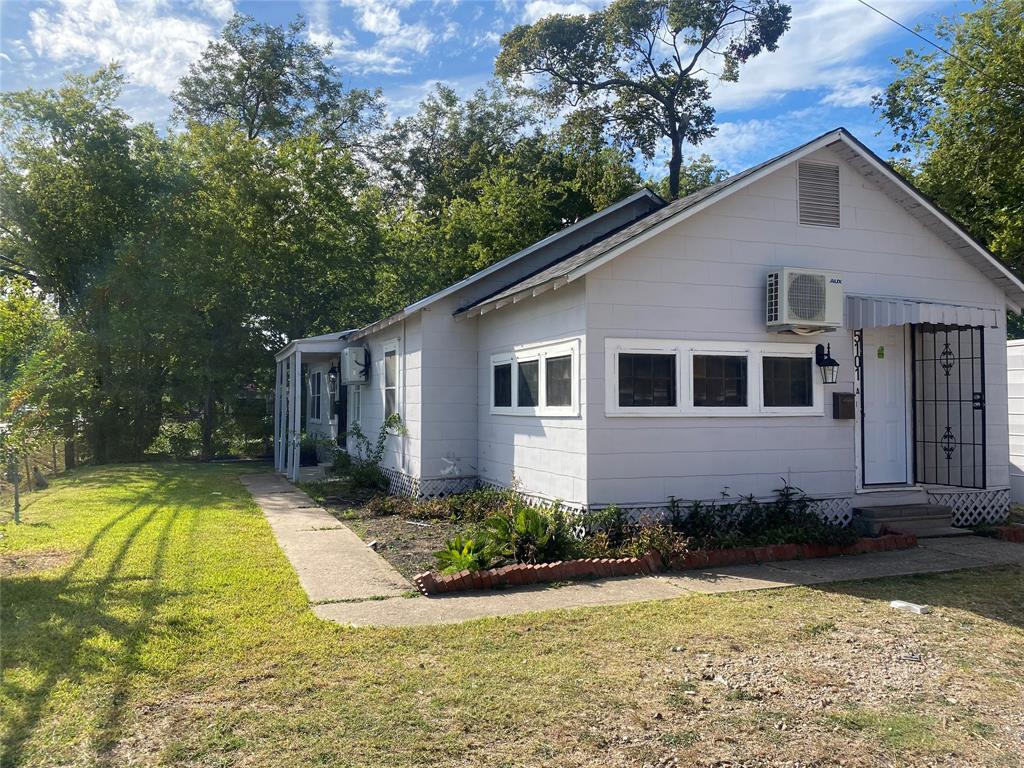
(843, 405)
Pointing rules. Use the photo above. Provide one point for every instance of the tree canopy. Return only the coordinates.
(275, 83)
(641, 66)
(960, 117)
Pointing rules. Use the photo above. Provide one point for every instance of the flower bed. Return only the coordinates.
(1014, 533)
(521, 574)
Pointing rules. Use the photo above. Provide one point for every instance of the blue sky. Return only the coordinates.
(835, 56)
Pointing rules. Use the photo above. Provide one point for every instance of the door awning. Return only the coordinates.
(877, 311)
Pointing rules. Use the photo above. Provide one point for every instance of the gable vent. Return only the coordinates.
(819, 194)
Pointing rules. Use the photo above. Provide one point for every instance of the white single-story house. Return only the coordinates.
(687, 350)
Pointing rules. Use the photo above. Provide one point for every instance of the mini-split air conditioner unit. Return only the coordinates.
(355, 365)
(804, 300)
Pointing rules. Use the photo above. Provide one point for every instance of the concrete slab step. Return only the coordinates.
(898, 511)
(929, 530)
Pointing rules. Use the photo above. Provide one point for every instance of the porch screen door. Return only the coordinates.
(949, 405)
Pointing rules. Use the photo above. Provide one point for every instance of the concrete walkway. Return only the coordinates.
(351, 584)
(331, 561)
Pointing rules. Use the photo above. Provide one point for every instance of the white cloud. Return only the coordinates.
(154, 41)
(538, 9)
(363, 60)
(851, 95)
(384, 20)
(821, 50)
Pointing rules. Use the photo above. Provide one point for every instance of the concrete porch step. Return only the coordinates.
(923, 520)
(928, 529)
(897, 511)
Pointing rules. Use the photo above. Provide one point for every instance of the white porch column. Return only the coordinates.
(295, 433)
(277, 416)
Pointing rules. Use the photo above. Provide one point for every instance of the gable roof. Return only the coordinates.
(846, 145)
(655, 200)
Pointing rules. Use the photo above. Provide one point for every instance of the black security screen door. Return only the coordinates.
(949, 405)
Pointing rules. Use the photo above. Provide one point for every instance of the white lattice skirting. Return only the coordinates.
(972, 507)
(401, 484)
(969, 507)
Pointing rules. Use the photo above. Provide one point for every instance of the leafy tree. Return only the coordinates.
(694, 175)
(433, 156)
(639, 65)
(960, 117)
(80, 192)
(539, 187)
(275, 83)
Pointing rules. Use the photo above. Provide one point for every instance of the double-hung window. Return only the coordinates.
(315, 396)
(537, 379)
(355, 392)
(664, 377)
(390, 378)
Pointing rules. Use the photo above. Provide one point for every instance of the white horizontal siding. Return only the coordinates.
(546, 455)
(703, 279)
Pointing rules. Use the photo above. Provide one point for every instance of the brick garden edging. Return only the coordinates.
(1014, 533)
(520, 574)
(778, 552)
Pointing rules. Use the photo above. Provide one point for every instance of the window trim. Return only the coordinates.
(817, 406)
(390, 346)
(355, 405)
(684, 352)
(315, 409)
(615, 347)
(539, 352)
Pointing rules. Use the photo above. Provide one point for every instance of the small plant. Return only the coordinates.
(365, 470)
(308, 451)
(524, 536)
(465, 554)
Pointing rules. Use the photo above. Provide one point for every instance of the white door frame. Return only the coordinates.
(910, 482)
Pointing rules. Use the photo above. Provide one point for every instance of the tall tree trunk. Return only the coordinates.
(70, 460)
(675, 163)
(209, 416)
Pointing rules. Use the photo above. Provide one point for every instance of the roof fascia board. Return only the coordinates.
(824, 141)
(925, 203)
(552, 238)
(312, 347)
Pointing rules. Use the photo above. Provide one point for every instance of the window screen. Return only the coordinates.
(315, 396)
(719, 381)
(390, 381)
(503, 385)
(529, 383)
(788, 383)
(558, 380)
(647, 381)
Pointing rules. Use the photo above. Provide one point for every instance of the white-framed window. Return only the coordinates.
(315, 396)
(389, 381)
(355, 392)
(536, 379)
(667, 377)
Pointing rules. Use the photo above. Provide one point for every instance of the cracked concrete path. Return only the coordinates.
(332, 562)
(351, 584)
(931, 556)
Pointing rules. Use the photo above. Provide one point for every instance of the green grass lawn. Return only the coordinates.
(148, 618)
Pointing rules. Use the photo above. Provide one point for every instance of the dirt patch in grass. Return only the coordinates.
(32, 562)
(409, 545)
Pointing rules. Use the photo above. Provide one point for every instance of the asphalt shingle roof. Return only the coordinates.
(594, 250)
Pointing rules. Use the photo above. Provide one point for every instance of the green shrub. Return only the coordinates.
(308, 451)
(465, 554)
(788, 519)
(364, 470)
(527, 535)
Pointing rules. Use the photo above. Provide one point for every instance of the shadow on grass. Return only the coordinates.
(992, 592)
(55, 619)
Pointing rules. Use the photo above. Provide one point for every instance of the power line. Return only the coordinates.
(930, 42)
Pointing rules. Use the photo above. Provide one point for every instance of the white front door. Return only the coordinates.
(884, 398)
